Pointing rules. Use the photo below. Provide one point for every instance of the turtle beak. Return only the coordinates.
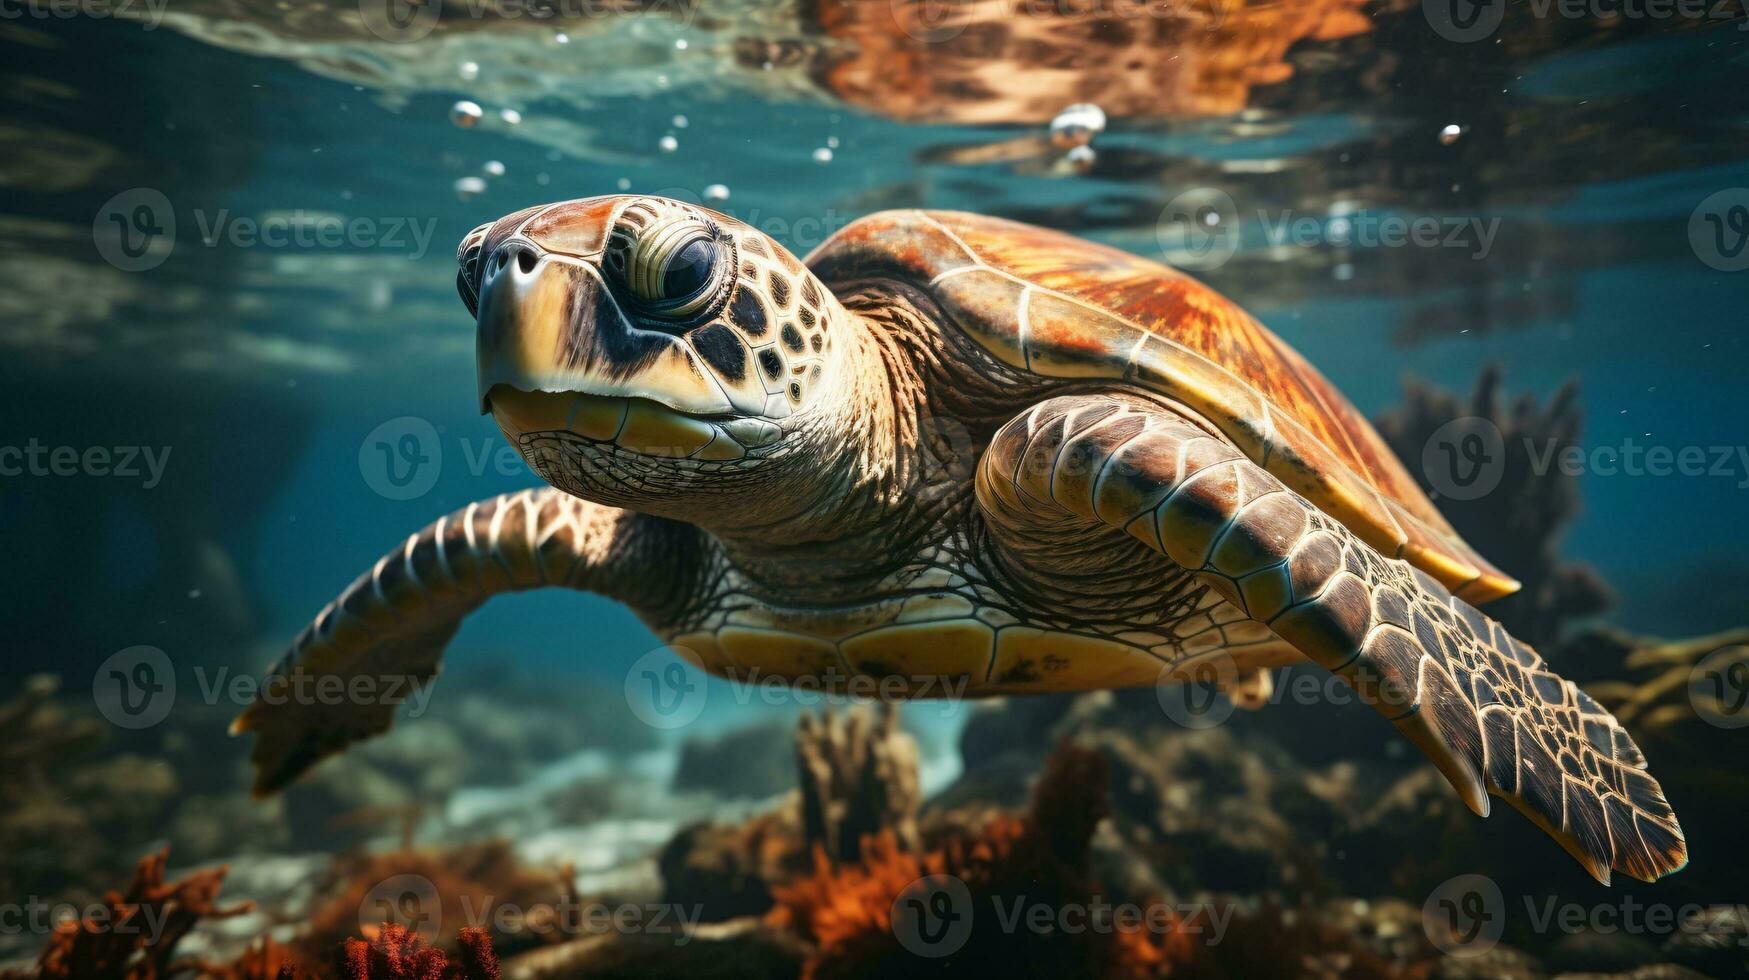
(548, 323)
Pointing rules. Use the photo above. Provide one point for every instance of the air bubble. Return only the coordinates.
(668, 144)
(1450, 133)
(510, 116)
(716, 192)
(466, 114)
(823, 155)
(469, 187)
(468, 70)
(1077, 125)
(493, 168)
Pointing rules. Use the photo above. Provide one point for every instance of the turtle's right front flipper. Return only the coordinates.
(1484, 707)
(381, 640)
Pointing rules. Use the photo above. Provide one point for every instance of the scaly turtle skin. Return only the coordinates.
(960, 455)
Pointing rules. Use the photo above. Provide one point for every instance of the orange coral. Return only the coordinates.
(137, 939)
(1040, 860)
(478, 876)
(397, 953)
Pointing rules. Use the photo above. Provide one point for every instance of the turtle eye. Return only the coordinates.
(672, 265)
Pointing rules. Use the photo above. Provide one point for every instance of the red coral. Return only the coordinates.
(397, 953)
(149, 920)
(1041, 860)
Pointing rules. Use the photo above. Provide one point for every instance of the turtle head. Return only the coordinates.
(647, 353)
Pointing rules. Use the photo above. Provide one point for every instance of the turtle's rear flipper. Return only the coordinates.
(377, 646)
(1483, 706)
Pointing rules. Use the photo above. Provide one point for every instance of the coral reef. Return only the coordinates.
(1297, 833)
(67, 814)
(845, 910)
(397, 953)
(858, 777)
(134, 936)
(462, 883)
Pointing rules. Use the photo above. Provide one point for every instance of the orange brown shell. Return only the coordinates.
(1059, 306)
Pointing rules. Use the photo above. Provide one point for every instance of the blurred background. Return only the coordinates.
(227, 247)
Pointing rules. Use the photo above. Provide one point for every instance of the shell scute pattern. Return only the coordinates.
(1062, 307)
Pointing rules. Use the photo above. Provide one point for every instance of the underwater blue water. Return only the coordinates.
(244, 117)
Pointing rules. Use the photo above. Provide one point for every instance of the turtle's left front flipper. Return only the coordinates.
(378, 645)
(1483, 706)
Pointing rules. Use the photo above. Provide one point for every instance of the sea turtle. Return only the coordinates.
(762, 457)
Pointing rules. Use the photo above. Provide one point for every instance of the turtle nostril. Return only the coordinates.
(525, 256)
